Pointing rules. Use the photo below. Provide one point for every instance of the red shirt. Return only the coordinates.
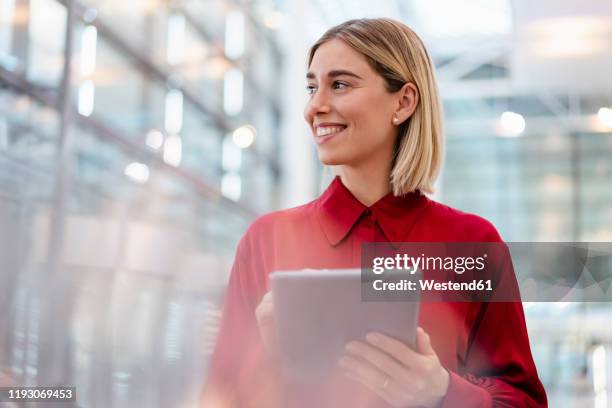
(483, 345)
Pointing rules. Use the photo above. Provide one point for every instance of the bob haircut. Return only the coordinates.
(399, 56)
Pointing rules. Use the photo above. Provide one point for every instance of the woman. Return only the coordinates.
(375, 114)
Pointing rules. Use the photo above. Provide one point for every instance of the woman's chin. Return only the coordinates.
(329, 159)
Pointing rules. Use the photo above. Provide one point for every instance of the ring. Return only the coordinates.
(386, 382)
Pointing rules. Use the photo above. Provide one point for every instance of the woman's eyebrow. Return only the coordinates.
(334, 73)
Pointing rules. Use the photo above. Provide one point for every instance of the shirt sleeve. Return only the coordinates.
(499, 372)
(497, 369)
(239, 373)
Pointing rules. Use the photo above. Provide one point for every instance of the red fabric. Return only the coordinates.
(483, 345)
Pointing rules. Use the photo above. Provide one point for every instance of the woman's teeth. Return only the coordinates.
(327, 130)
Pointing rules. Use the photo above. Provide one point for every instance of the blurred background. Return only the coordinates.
(138, 139)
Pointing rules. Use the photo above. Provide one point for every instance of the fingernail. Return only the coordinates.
(351, 347)
(372, 337)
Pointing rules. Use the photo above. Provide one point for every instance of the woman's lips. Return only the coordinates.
(325, 136)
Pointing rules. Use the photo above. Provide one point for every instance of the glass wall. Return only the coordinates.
(542, 176)
(117, 225)
(538, 187)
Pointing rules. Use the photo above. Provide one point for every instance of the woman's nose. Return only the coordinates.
(319, 102)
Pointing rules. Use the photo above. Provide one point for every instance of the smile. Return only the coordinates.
(328, 130)
(324, 133)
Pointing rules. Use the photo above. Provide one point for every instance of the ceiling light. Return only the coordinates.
(138, 172)
(511, 124)
(244, 136)
(605, 116)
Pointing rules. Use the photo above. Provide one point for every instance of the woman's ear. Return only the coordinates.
(407, 103)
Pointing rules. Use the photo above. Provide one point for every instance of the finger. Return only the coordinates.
(267, 298)
(424, 343)
(265, 309)
(265, 318)
(260, 310)
(406, 379)
(367, 375)
(386, 388)
(384, 392)
(363, 369)
(379, 359)
(396, 349)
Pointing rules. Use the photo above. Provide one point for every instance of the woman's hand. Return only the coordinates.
(400, 375)
(264, 314)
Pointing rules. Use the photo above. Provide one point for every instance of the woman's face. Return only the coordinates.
(349, 110)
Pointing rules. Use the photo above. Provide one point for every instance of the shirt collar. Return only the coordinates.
(338, 210)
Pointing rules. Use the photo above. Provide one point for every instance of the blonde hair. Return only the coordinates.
(399, 56)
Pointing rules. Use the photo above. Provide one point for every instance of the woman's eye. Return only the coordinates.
(339, 85)
(310, 89)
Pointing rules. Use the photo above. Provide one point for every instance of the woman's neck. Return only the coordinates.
(368, 185)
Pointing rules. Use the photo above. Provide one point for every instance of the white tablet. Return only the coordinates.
(318, 311)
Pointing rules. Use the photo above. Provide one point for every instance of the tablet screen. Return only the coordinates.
(318, 312)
